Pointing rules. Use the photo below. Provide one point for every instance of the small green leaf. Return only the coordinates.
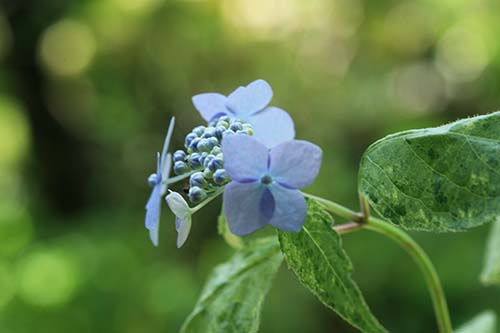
(491, 269)
(232, 298)
(231, 239)
(316, 256)
(437, 179)
(485, 322)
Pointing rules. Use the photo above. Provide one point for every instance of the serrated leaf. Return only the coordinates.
(485, 322)
(316, 256)
(491, 269)
(437, 179)
(232, 298)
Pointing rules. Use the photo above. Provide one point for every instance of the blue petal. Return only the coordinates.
(289, 209)
(210, 104)
(166, 144)
(272, 126)
(242, 207)
(245, 159)
(153, 234)
(165, 173)
(295, 164)
(250, 99)
(153, 208)
(183, 226)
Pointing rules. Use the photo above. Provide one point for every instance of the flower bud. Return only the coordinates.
(236, 126)
(189, 139)
(180, 168)
(194, 160)
(202, 157)
(215, 164)
(198, 180)
(179, 155)
(203, 145)
(196, 194)
(216, 151)
(227, 133)
(223, 124)
(219, 131)
(199, 130)
(194, 144)
(207, 173)
(213, 141)
(207, 160)
(153, 179)
(209, 132)
(221, 177)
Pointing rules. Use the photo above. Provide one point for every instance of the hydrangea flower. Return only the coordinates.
(265, 183)
(158, 182)
(271, 125)
(182, 212)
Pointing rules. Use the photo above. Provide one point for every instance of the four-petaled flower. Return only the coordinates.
(271, 125)
(157, 181)
(265, 183)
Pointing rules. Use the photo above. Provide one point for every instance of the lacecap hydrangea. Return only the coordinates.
(247, 151)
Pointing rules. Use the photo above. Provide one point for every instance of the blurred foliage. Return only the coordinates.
(86, 92)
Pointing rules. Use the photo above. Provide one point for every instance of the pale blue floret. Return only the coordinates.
(182, 212)
(156, 180)
(265, 186)
(271, 125)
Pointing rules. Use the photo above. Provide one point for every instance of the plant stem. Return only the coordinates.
(177, 178)
(336, 208)
(425, 264)
(407, 243)
(207, 200)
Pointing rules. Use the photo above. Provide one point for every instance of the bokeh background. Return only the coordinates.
(86, 92)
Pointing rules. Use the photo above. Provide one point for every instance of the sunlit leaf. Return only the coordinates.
(316, 256)
(437, 179)
(232, 298)
(485, 322)
(491, 269)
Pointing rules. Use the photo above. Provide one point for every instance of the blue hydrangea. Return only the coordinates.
(271, 125)
(265, 186)
(157, 182)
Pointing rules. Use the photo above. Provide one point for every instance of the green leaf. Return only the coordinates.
(491, 269)
(232, 298)
(437, 179)
(485, 322)
(231, 239)
(316, 256)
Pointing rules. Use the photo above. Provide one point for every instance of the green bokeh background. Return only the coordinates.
(86, 92)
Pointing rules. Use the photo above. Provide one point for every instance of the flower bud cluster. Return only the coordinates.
(203, 156)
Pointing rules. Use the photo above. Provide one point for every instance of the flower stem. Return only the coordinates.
(407, 243)
(426, 267)
(207, 200)
(336, 208)
(175, 179)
